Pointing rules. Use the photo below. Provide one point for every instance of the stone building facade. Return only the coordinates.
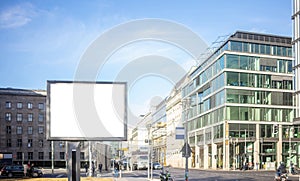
(23, 132)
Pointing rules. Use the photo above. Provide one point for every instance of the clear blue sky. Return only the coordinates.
(44, 40)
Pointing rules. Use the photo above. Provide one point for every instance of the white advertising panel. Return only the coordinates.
(86, 110)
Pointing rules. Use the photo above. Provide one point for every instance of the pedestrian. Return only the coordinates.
(86, 167)
(25, 169)
(116, 169)
(31, 170)
(100, 167)
(93, 168)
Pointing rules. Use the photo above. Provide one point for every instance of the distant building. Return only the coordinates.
(158, 132)
(23, 132)
(174, 120)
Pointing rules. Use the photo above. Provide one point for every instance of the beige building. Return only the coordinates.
(174, 119)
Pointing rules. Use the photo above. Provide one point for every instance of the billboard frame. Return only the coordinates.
(48, 113)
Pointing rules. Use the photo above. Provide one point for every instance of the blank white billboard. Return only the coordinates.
(86, 110)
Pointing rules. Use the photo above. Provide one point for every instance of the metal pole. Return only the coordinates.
(151, 151)
(52, 156)
(148, 170)
(120, 169)
(187, 102)
(234, 159)
(67, 155)
(90, 159)
(245, 151)
(291, 132)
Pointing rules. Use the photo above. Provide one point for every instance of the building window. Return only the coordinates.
(41, 143)
(41, 130)
(29, 143)
(41, 155)
(30, 155)
(19, 130)
(81, 144)
(19, 117)
(62, 155)
(8, 129)
(61, 144)
(8, 116)
(19, 105)
(19, 155)
(8, 105)
(29, 105)
(41, 106)
(30, 117)
(8, 143)
(81, 155)
(41, 117)
(29, 130)
(19, 142)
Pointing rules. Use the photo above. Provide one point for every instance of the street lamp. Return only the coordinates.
(149, 151)
(291, 133)
(245, 149)
(233, 142)
(186, 106)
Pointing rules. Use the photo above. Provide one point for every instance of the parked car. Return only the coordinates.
(156, 166)
(37, 172)
(18, 171)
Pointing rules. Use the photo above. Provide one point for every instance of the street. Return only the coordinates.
(209, 175)
(194, 175)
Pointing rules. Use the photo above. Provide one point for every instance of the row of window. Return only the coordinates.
(19, 105)
(241, 114)
(207, 119)
(259, 48)
(246, 79)
(20, 117)
(19, 143)
(259, 114)
(41, 155)
(245, 131)
(258, 64)
(259, 97)
(258, 81)
(19, 130)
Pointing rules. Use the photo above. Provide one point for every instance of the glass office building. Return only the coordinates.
(242, 105)
(296, 47)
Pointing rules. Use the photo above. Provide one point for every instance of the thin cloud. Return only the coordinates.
(17, 16)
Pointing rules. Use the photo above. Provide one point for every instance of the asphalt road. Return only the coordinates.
(178, 174)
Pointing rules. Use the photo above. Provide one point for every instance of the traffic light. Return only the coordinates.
(275, 128)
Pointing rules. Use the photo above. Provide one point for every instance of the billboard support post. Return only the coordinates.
(73, 161)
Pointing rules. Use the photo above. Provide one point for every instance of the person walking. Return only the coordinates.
(86, 167)
(93, 168)
(100, 167)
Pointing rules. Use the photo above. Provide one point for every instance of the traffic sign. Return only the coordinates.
(184, 149)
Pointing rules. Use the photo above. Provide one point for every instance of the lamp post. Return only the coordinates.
(233, 142)
(149, 152)
(291, 133)
(245, 149)
(186, 105)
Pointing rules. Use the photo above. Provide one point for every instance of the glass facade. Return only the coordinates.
(237, 96)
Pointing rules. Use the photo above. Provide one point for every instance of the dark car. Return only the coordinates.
(37, 172)
(18, 171)
(156, 166)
